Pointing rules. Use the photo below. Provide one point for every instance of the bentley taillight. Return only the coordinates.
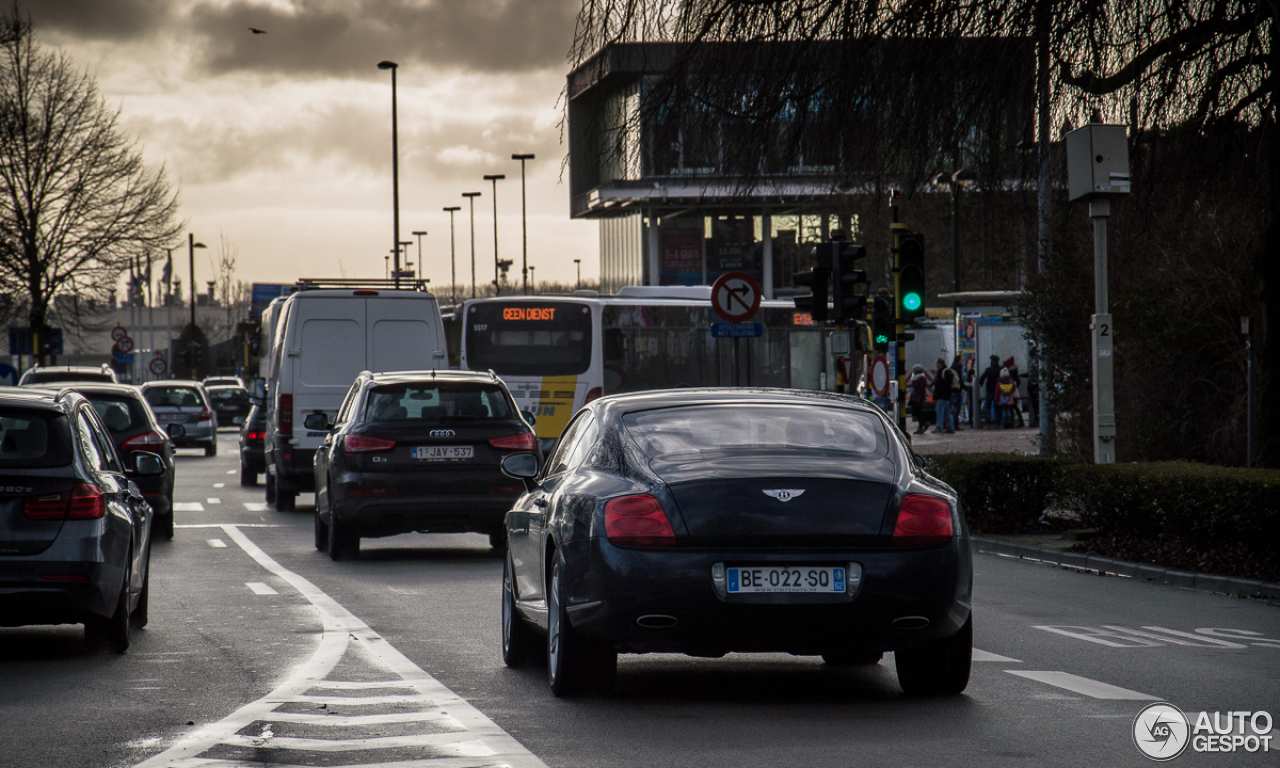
(637, 521)
(922, 521)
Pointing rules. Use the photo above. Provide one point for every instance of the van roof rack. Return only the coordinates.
(313, 283)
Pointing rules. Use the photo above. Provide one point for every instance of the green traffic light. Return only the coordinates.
(911, 301)
(882, 339)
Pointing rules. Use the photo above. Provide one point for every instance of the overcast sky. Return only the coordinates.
(281, 142)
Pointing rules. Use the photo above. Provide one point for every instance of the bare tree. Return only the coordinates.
(76, 201)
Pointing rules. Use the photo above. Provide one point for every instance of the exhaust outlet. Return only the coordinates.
(657, 621)
(910, 622)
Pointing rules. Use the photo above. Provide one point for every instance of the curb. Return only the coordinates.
(1201, 582)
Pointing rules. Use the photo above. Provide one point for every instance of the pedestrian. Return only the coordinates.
(1017, 384)
(1006, 396)
(918, 386)
(957, 392)
(1033, 387)
(943, 385)
(990, 379)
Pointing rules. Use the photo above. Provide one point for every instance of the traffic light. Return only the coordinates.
(845, 279)
(911, 293)
(816, 280)
(881, 323)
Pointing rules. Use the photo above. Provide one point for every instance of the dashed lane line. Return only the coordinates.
(212, 501)
(979, 655)
(219, 485)
(259, 588)
(1084, 686)
(217, 543)
(255, 506)
(188, 506)
(454, 733)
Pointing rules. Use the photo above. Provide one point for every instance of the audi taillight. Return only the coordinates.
(284, 415)
(637, 521)
(593, 394)
(922, 521)
(525, 441)
(362, 444)
(205, 413)
(142, 442)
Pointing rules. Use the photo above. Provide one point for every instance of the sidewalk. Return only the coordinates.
(993, 439)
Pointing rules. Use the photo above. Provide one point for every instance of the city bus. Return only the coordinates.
(557, 353)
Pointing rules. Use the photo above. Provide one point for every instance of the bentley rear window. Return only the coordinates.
(750, 426)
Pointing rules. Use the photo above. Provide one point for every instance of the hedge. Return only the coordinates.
(1008, 493)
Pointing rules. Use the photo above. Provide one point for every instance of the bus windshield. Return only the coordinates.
(529, 338)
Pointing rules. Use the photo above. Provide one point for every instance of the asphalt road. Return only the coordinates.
(261, 650)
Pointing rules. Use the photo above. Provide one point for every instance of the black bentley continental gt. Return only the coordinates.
(715, 521)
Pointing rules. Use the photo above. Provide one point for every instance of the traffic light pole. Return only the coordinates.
(900, 328)
(1104, 409)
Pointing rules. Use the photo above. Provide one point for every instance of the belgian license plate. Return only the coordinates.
(786, 578)
(172, 416)
(443, 452)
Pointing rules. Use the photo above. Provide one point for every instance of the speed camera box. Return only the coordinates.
(1097, 161)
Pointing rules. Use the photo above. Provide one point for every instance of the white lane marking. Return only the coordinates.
(217, 543)
(255, 506)
(1084, 685)
(477, 736)
(219, 485)
(188, 506)
(231, 471)
(989, 656)
(219, 525)
(213, 501)
(260, 589)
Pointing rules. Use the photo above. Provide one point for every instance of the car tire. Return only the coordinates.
(211, 449)
(344, 544)
(940, 668)
(113, 631)
(138, 617)
(321, 533)
(162, 525)
(575, 664)
(498, 540)
(247, 477)
(852, 658)
(270, 489)
(286, 501)
(520, 646)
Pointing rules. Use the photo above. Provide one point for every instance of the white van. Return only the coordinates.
(325, 336)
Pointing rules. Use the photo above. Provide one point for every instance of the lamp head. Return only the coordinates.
(387, 65)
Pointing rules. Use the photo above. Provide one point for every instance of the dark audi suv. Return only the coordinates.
(417, 451)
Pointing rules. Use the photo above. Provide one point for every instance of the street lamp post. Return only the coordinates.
(495, 178)
(472, 197)
(408, 268)
(535, 282)
(192, 245)
(418, 233)
(578, 285)
(453, 264)
(955, 182)
(524, 225)
(395, 170)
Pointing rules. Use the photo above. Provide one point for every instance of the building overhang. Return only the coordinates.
(696, 195)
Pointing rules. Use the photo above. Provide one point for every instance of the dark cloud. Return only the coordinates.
(100, 19)
(324, 38)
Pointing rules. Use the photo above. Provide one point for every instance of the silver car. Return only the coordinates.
(185, 403)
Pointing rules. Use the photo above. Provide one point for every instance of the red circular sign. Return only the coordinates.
(158, 366)
(880, 376)
(125, 344)
(735, 296)
(118, 333)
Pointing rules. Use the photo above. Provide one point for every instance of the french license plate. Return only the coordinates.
(786, 578)
(443, 452)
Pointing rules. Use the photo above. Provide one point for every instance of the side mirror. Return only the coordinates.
(521, 466)
(316, 421)
(529, 417)
(258, 389)
(147, 464)
(175, 430)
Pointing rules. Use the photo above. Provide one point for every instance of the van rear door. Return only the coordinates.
(404, 334)
(326, 358)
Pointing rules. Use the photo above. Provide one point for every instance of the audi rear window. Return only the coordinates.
(756, 427)
(33, 439)
(172, 397)
(441, 402)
